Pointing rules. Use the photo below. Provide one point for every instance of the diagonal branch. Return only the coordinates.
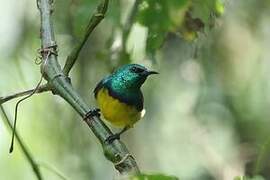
(95, 19)
(116, 151)
(25, 151)
(42, 88)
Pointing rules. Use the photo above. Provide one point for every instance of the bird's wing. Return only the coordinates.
(99, 86)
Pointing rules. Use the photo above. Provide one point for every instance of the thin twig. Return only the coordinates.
(25, 151)
(264, 150)
(42, 88)
(45, 52)
(128, 24)
(52, 169)
(123, 55)
(95, 19)
(16, 113)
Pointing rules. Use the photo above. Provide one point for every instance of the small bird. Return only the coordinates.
(120, 98)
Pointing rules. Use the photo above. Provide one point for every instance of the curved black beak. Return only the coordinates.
(151, 72)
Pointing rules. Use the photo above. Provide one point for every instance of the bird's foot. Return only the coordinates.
(92, 113)
(113, 137)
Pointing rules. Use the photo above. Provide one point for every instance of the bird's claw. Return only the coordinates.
(92, 113)
(113, 137)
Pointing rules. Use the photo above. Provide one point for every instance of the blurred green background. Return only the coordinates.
(207, 113)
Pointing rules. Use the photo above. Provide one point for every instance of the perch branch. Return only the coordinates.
(42, 88)
(116, 152)
(95, 19)
(25, 151)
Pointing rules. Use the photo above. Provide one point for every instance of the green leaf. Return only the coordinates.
(160, 17)
(154, 14)
(200, 17)
(154, 41)
(187, 17)
(249, 178)
(219, 8)
(206, 9)
(153, 177)
(202, 9)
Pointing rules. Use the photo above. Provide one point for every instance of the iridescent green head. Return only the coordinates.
(130, 76)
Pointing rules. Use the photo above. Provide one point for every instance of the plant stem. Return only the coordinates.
(25, 151)
(128, 25)
(41, 89)
(95, 19)
(116, 152)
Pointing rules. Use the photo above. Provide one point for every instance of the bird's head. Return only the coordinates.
(131, 76)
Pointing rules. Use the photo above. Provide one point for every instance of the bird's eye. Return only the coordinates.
(136, 70)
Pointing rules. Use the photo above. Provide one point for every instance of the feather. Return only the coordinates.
(100, 85)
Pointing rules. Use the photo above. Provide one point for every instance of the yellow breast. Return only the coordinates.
(116, 112)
